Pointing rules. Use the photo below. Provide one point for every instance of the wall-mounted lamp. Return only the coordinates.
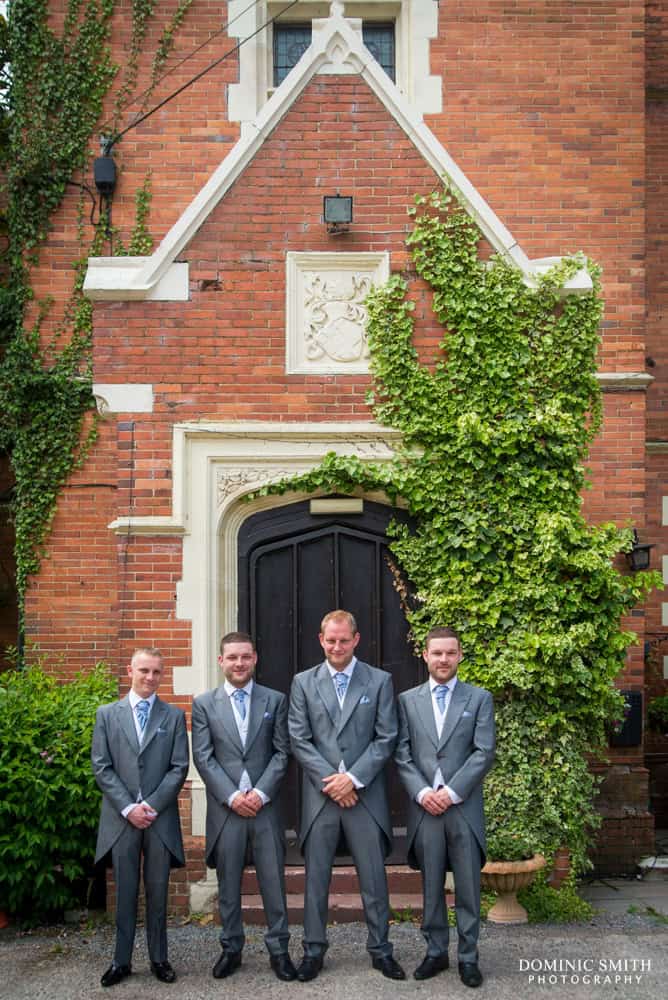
(338, 213)
(104, 175)
(638, 557)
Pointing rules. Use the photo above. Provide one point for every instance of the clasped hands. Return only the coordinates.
(141, 816)
(340, 789)
(436, 802)
(247, 804)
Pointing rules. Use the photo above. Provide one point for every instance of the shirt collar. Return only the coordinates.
(451, 684)
(230, 688)
(348, 671)
(136, 698)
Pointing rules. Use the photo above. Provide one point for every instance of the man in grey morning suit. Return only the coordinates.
(343, 729)
(445, 749)
(140, 761)
(240, 748)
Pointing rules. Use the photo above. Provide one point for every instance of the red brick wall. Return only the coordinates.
(543, 109)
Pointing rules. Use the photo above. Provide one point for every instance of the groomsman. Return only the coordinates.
(140, 761)
(240, 748)
(343, 729)
(445, 749)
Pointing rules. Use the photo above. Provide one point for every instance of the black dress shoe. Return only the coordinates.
(470, 974)
(309, 967)
(389, 967)
(163, 971)
(115, 974)
(228, 963)
(431, 965)
(283, 967)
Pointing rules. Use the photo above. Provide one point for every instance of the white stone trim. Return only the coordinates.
(664, 614)
(664, 568)
(214, 467)
(127, 397)
(665, 668)
(634, 381)
(106, 275)
(337, 44)
(664, 511)
(657, 447)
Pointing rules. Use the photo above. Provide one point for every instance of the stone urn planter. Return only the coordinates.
(506, 877)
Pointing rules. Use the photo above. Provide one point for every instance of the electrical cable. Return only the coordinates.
(112, 140)
(198, 48)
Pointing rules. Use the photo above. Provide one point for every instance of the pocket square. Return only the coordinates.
(268, 715)
(160, 730)
(466, 715)
(364, 700)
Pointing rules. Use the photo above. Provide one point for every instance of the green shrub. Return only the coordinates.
(50, 803)
(554, 906)
(657, 714)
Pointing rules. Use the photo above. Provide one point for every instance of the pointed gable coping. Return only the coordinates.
(336, 48)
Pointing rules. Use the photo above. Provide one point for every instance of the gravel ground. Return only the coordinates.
(627, 952)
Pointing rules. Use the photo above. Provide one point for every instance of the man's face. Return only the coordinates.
(442, 657)
(339, 642)
(145, 673)
(237, 661)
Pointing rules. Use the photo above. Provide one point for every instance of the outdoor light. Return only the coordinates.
(337, 212)
(638, 557)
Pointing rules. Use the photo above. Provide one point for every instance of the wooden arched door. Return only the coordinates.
(294, 567)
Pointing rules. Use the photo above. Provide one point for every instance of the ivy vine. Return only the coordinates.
(53, 102)
(495, 433)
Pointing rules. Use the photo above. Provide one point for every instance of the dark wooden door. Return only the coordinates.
(294, 567)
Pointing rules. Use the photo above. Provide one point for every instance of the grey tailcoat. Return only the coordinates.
(220, 757)
(121, 768)
(362, 734)
(464, 753)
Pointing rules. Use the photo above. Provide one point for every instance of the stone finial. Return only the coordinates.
(336, 9)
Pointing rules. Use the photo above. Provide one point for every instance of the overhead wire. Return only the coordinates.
(112, 140)
(198, 48)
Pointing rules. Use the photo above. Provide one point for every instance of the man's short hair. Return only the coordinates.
(235, 637)
(339, 616)
(441, 632)
(146, 651)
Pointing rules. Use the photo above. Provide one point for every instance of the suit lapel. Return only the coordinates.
(156, 716)
(227, 717)
(325, 688)
(126, 721)
(425, 712)
(458, 701)
(359, 682)
(258, 706)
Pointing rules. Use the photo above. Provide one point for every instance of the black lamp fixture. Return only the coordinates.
(638, 557)
(337, 211)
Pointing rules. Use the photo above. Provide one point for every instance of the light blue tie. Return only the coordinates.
(440, 691)
(142, 710)
(240, 698)
(341, 681)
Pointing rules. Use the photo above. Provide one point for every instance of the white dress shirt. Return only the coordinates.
(245, 784)
(348, 671)
(439, 719)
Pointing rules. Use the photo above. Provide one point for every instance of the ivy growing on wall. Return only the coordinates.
(60, 76)
(495, 433)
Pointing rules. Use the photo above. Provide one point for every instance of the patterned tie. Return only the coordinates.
(440, 691)
(240, 698)
(341, 681)
(142, 709)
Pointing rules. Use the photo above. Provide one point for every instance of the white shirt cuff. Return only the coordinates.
(357, 784)
(456, 799)
(421, 794)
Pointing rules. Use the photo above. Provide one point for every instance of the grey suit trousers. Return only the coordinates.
(443, 842)
(268, 855)
(126, 855)
(366, 844)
